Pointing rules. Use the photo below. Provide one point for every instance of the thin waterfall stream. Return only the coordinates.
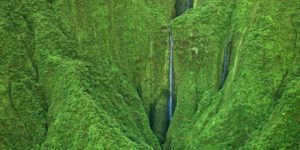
(181, 7)
(170, 74)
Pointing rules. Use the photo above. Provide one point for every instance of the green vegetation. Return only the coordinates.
(258, 108)
(94, 75)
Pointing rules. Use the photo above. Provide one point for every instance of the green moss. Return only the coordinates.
(242, 114)
(94, 75)
(70, 64)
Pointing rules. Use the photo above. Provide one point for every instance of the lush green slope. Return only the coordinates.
(94, 75)
(258, 108)
(72, 73)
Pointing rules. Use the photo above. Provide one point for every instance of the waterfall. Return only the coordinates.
(170, 74)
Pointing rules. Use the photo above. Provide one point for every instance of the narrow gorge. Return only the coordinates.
(149, 74)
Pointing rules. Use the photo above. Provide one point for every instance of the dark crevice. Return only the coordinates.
(30, 51)
(158, 117)
(295, 36)
(139, 91)
(30, 48)
(172, 110)
(279, 91)
(226, 61)
(227, 51)
(28, 42)
(197, 99)
(10, 96)
(152, 115)
(50, 1)
(45, 108)
(182, 5)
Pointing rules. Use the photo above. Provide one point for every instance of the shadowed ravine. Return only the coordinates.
(182, 5)
(226, 61)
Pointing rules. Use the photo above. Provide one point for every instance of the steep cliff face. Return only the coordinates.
(94, 74)
(258, 106)
(73, 73)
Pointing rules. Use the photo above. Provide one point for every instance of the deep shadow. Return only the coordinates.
(182, 5)
(226, 61)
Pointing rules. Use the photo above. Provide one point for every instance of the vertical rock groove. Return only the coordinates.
(226, 62)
